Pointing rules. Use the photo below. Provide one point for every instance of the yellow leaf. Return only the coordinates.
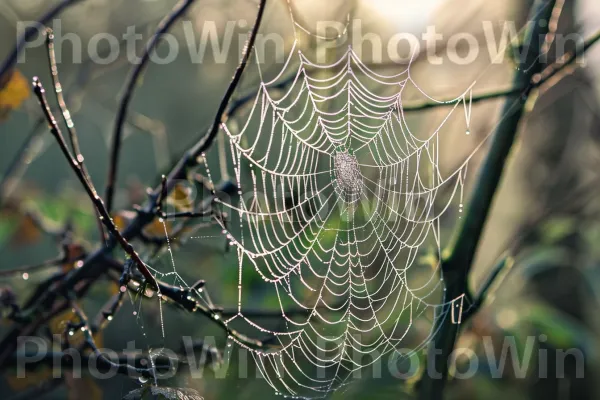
(14, 90)
(181, 197)
(156, 229)
(59, 324)
(122, 219)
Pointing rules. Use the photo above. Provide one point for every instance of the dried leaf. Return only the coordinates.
(181, 197)
(59, 324)
(14, 90)
(156, 229)
(122, 219)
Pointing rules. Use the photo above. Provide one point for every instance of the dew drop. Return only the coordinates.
(25, 276)
(142, 379)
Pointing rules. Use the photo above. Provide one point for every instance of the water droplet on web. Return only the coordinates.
(142, 379)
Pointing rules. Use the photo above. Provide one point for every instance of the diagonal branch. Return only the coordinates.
(66, 114)
(76, 166)
(457, 260)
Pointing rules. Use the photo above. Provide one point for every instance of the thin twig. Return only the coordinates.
(489, 286)
(35, 267)
(222, 116)
(115, 148)
(87, 185)
(95, 264)
(20, 162)
(31, 31)
(551, 71)
(188, 214)
(67, 118)
(185, 299)
(89, 338)
(107, 313)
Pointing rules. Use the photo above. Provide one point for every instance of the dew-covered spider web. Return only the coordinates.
(338, 199)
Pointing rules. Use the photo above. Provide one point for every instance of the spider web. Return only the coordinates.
(336, 196)
(336, 199)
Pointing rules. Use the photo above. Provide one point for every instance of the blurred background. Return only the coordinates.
(546, 213)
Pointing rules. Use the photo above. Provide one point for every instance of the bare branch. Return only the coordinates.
(178, 11)
(88, 186)
(60, 98)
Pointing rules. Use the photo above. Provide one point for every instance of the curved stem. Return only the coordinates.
(132, 80)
